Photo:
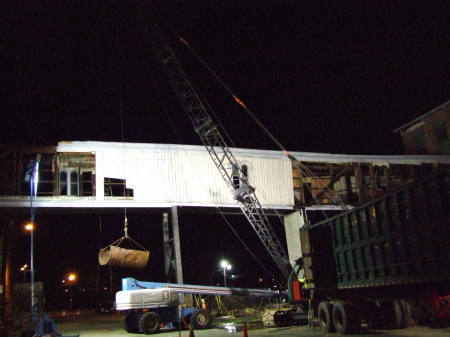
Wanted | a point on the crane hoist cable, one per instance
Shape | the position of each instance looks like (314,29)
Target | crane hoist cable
(114,255)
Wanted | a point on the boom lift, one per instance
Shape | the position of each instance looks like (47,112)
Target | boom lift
(153,305)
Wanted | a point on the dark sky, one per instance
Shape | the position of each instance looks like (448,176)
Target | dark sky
(322,76)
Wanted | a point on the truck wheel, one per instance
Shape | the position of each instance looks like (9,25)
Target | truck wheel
(325,315)
(130,323)
(283,318)
(406,314)
(201,319)
(372,315)
(344,318)
(149,323)
(392,314)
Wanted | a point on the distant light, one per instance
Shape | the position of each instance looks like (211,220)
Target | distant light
(72,277)
(224,264)
(29,227)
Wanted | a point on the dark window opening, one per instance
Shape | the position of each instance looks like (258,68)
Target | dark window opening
(44,175)
(440,132)
(235,177)
(63,183)
(117,188)
(244,169)
(74,183)
(419,142)
(86,183)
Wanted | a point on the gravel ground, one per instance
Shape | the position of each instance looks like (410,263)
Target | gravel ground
(92,325)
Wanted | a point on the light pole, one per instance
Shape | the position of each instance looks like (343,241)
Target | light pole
(31,176)
(71,279)
(224,264)
(30,227)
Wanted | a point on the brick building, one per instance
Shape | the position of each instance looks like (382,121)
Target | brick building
(428,134)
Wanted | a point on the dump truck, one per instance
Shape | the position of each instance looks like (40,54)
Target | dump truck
(380,262)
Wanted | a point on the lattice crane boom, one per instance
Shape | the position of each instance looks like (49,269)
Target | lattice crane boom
(217,148)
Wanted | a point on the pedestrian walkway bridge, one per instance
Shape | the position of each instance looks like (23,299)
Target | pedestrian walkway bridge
(92,175)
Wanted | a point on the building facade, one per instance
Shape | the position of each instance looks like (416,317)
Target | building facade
(429,133)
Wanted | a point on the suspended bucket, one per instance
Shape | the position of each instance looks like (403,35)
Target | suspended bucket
(122,257)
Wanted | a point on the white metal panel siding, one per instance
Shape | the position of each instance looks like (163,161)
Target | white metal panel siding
(165,177)
(272,179)
(192,177)
(293,222)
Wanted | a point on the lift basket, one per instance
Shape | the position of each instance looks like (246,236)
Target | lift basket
(121,257)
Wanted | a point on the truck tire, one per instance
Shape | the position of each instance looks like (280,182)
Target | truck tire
(149,323)
(130,323)
(201,319)
(283,318)
(373,315)
(406,314)
(392,314)
(325,315)
(345,318)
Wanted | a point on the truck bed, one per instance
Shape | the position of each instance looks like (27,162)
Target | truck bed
(401,238)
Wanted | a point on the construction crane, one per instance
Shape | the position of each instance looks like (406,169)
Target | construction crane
(233,175)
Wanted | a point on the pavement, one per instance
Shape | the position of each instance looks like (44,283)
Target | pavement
(92,325)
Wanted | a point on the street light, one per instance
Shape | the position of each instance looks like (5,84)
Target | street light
(71,279)
(224,264)
(24,269)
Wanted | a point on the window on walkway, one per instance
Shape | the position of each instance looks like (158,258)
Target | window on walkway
(68,182)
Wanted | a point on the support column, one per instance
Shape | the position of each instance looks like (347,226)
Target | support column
(359,182)
(169,272)
(177,246)
(387,177)
(172,251)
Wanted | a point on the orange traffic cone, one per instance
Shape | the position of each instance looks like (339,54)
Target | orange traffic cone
(191,331)
(245,330)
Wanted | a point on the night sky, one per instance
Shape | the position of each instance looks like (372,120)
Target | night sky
(322,76)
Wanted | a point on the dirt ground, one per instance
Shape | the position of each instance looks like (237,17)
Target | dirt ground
(90,324)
